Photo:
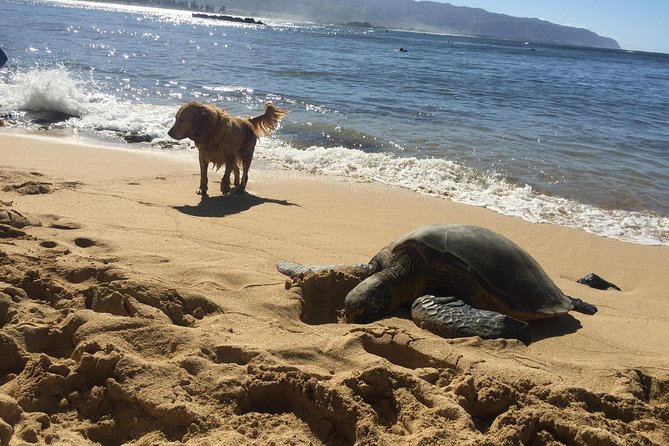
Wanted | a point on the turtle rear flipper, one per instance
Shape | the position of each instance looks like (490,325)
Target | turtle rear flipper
(583,307)
(452,318)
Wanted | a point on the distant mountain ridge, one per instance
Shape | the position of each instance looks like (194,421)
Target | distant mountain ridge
(422,16)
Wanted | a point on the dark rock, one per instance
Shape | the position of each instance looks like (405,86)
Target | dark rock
(228,18)
(134,138)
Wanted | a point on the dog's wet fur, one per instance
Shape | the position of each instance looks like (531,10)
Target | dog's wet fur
(223,139)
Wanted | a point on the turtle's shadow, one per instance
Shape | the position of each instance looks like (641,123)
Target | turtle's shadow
(554,327)
(224,205)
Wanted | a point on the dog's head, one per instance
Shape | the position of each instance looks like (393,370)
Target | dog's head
(193,120)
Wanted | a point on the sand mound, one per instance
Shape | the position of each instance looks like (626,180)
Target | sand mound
(92,354)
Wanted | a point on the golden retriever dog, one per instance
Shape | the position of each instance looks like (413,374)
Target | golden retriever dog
(223,139)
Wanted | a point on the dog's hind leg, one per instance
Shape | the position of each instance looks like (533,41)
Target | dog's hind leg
(235,173)
(246,157)
(230,167)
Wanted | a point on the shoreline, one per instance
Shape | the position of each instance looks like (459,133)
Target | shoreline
(269,161)
(206,335)
(417,175)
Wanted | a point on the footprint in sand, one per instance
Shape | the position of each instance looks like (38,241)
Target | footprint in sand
(322,411)
(84,242)
(48,244)
(395,346)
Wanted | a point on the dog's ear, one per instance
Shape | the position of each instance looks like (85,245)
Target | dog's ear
(205,120)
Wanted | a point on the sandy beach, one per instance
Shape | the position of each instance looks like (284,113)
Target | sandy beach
(133,313)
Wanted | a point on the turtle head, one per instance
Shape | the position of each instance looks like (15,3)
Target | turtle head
(368,301)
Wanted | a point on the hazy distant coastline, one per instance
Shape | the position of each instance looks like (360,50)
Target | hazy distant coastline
(422,16)
(409,15)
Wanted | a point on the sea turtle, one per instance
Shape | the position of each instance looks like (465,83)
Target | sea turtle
(463,281)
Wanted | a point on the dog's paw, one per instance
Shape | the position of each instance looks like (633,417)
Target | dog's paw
(201,192)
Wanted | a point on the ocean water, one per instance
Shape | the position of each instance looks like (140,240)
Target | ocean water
(572,136)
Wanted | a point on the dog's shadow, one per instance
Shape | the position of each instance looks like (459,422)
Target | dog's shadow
(224,205)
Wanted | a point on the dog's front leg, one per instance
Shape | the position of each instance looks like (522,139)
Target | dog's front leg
(203,177)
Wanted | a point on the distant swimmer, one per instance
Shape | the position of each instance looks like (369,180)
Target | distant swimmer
(402,50)
(3,58)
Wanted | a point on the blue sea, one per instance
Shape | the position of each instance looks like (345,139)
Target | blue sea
(572,136)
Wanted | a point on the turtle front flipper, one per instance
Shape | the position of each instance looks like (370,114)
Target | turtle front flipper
(452,318)
(291,269)
(295,270)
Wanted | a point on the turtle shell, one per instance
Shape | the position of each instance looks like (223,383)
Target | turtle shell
(482,268)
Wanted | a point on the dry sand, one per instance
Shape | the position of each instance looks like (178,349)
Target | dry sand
(132,314)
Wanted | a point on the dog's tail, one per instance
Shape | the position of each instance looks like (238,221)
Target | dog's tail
(268,121)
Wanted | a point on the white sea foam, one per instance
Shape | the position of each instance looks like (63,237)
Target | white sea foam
(45,90)
(55,90)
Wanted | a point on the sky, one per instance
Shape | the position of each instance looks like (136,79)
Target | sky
(635,24)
